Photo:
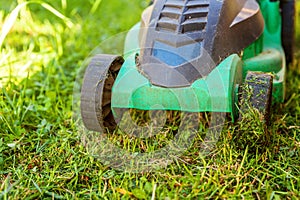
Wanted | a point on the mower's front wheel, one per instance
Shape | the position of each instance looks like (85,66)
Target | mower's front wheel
(256,95)
(96,92)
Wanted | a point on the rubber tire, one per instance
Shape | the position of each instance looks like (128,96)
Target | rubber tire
(96,92)
(288,28)
(256,92)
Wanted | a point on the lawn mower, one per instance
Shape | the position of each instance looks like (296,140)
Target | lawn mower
(194,56)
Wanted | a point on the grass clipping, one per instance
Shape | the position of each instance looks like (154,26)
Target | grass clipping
(252,130)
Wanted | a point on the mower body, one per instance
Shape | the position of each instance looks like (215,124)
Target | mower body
(198,62)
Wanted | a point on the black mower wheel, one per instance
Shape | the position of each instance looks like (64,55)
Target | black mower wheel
(256,93)
(96,91)
(288,28)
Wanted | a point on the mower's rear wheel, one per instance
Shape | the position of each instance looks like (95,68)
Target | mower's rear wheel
(256,94)
(96,92)
(288,28)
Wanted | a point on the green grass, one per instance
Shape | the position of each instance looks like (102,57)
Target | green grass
(41,154)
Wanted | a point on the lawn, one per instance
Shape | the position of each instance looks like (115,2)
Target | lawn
(42,155)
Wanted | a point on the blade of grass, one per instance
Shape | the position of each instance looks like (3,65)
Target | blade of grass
(95,6)
(11,19)
(68,22)
(8,187)
(238,175)
(64,4)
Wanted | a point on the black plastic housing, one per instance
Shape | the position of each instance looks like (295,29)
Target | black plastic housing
(185,40)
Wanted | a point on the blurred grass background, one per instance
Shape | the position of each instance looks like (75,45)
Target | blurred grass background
(40,151)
